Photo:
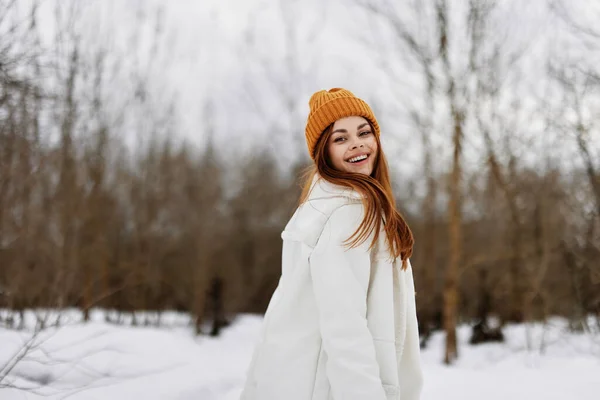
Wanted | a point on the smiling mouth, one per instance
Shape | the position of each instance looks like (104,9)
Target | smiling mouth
(358,159)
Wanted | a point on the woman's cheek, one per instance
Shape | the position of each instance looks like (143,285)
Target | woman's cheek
(339,158)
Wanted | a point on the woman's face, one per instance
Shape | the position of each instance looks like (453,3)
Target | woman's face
(352,146)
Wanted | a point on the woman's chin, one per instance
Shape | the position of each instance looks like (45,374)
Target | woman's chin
(363,170)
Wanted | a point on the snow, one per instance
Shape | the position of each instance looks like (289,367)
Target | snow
(100,360)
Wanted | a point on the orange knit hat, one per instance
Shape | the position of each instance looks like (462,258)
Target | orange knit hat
(327,106)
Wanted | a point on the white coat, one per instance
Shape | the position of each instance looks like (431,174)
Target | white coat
(342,323)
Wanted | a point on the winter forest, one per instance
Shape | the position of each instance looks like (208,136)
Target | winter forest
(150,156)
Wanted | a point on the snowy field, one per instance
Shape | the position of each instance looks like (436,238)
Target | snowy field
(98,360)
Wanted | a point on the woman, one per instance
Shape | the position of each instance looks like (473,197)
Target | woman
(342,323)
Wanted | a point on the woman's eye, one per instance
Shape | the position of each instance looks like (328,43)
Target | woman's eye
(364,133)
(338,139)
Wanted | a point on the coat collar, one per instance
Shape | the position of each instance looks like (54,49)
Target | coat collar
(320,188)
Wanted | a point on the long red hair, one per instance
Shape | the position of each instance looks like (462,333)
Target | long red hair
(378,199)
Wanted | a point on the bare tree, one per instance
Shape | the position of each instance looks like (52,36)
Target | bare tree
(432,55)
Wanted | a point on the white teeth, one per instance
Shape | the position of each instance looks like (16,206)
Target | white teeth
(358,158)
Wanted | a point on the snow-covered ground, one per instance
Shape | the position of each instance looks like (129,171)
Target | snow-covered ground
(98,360)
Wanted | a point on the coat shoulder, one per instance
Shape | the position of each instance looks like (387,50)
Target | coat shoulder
(308,222)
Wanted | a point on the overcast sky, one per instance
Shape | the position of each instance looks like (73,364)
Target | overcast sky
(234,55)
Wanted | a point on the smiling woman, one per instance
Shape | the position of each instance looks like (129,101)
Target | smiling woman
(342,322)
(352,146)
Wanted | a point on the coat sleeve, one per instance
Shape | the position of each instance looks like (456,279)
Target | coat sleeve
(409,366)
(249,385)
(336,271)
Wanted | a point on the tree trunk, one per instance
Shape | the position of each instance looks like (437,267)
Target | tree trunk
(218,309)
(455,236)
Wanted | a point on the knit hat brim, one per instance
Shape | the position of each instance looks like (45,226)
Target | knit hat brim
(333,110)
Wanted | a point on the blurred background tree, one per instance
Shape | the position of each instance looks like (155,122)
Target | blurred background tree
(148,165)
